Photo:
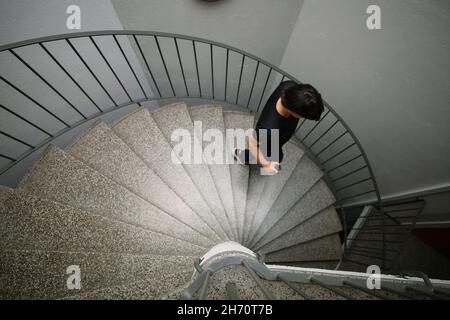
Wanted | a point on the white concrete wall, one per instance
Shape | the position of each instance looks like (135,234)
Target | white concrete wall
(390,85)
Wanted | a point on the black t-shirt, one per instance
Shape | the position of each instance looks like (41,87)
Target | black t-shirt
(271,119)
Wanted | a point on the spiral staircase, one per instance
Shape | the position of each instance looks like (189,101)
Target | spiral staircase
(139,226)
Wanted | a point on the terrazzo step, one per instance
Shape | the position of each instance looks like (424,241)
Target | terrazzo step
(324,223)
(60,177)
(140,132)
(147,289)
(326,248)
(304,176)
(5,193)
(239,174)
(246,286)
(42,274)
(256,184)
(33,223)
(281,290)
(174,117)
(316,199)
(101,149)
(211,118)
(274,185)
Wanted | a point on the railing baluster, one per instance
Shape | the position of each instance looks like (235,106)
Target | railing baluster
(264,89)
(69,75)
(357,195)
(16,139)
(226,76)
(266,292)
(7,157)
(47,83)
(354,183)
(315,126)
(22,118)
(204,288)
(253,85)
(331,143)
(291,285)
(336,291)
(181,66)
(323,134)
(35,102)
(196,67)
(232,292)
(90,70)
(240,78)
(212,70)
(340,152)
(110,67)
(348,174)
(129,65)
(343,164)
(164,65)
(146,64)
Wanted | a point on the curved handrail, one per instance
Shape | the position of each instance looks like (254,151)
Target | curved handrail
(319,131)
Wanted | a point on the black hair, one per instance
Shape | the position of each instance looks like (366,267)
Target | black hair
(304,100)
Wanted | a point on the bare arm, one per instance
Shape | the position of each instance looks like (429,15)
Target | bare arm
(256,151)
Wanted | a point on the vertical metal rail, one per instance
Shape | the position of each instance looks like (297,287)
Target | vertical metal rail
(232,292)
(164,65)
(146,64)
(266,292)
(129,65)
(110,68)
(91,72)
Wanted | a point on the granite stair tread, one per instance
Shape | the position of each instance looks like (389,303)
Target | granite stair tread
(60,177)
(41,274)
(302,178)
(147,289)
(211,118)
(175,116)
(326,248)
(5,193)
(316,199)
(141,133)
(321,224)
(41,224)
(274,185)
(239,173)
(104,151)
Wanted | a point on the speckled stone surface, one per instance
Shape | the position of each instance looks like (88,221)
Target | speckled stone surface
(142,135)
(326,248)
(274,185)
(304,176)
(173,117)
(60,177)
(148,289)
(256,184)
(211,118)
(281,290)
(42,274)
(239,173)
(38,224)
(101,149)
(321,224)
(247,287)
(318,293)
(5,193)
(316,199)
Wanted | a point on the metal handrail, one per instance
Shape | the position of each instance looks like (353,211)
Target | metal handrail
(340,159)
